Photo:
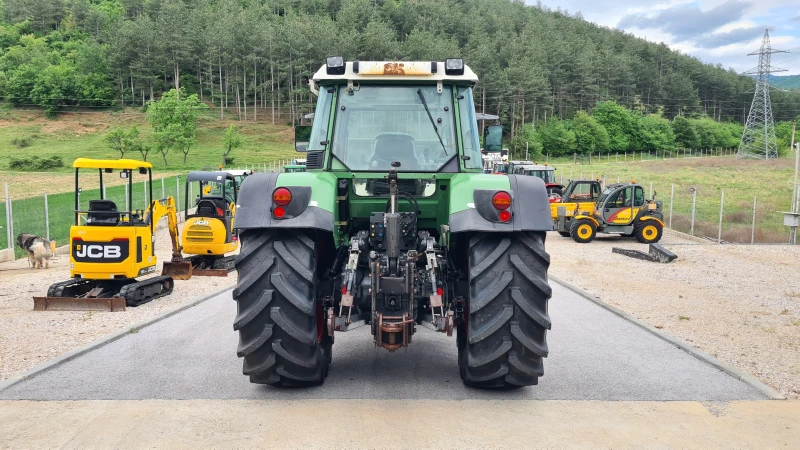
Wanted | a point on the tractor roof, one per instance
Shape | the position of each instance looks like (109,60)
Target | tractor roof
(122,164)
(216,177)
(239,172)
(396,71)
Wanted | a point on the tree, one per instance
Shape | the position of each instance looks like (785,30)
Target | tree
(654,134)
(685,135)
(527,138)
(233,140)
(174,122)
(590,136)
(133,143)
(116,140)
(620,124)
(556,139)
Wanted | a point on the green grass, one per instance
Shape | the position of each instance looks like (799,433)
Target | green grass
(741,180)
(80,134)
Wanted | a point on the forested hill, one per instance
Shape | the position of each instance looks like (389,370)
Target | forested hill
(533,62)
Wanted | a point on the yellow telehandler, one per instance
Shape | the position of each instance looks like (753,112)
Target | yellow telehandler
(110,247)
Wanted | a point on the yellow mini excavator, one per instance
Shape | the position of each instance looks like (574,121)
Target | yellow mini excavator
(111,246)
(208,231)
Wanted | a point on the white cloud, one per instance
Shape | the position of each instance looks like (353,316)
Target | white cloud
(716,31)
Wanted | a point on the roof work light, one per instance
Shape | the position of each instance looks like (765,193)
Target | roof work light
(454,66)
(335,65)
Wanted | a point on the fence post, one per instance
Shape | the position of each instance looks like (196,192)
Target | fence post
(618,179)
(651,189)
(163,195)
(721,207)
(8,220)
(671,201)
(753,229)
(570,175)
(178,196)
(694,205)
(46,218)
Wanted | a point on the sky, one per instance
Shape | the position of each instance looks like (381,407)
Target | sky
(716,31)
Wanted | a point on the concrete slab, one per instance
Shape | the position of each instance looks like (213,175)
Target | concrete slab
(595,355)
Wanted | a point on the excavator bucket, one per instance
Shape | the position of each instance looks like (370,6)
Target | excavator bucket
(178,270)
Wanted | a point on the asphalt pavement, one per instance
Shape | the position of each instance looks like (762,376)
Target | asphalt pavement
(594,355)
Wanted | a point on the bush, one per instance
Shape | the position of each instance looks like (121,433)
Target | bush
(34,163)
(21,142)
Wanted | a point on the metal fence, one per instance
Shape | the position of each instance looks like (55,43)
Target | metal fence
(726,216)
(34,208)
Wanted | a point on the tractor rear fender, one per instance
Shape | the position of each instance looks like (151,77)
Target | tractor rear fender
(313,195)
(471,204)
(579,217)
(642,219)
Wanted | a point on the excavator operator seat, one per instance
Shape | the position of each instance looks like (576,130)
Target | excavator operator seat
(102,213)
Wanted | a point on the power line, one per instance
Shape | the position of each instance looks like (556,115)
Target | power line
(758,139)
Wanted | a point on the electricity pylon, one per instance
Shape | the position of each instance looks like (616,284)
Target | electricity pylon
(758,139)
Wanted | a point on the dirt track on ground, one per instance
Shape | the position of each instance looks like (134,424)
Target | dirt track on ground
(29,338)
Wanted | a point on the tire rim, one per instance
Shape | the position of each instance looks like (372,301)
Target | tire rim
(584,231)
(650,232)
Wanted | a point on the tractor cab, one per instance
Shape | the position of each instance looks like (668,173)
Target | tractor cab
(581,191)
(239,175)
(294,168)
(546,173)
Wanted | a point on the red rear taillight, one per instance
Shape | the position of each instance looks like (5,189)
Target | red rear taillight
(505,215)
(282,196)
(279,212)
(501,200)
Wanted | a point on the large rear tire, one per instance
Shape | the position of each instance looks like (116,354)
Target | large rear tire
(280,337)
(504,340)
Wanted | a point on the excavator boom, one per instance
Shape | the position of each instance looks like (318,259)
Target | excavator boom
(177,268)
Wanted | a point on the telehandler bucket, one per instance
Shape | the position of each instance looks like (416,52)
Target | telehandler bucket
(179,270)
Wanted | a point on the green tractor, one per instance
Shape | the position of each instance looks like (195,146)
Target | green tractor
(393,226)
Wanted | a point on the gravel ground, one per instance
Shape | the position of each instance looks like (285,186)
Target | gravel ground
(736,302)
(28,338)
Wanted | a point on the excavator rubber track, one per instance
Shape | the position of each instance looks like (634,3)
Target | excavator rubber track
(211,266)
(79,294)
(141,292)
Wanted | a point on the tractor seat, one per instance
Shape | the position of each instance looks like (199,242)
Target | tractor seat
(102,213)
(389,147)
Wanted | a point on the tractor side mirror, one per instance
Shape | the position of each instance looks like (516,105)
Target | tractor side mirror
(493,138)
(302,137)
